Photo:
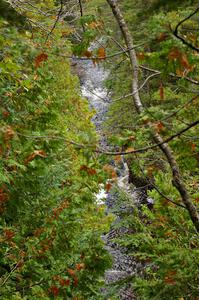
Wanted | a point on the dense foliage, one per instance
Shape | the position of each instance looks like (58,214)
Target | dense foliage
(50,224)
(164,238)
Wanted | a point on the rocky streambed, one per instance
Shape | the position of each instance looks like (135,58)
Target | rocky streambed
(92,79)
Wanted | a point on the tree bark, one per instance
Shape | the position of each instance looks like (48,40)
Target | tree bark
(177,179)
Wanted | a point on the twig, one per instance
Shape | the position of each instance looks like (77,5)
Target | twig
(141,87)
(56,21)
(168,199)
(180,108)
(175,32)
(13,269)
(170,74)
(81,12)
(150,183)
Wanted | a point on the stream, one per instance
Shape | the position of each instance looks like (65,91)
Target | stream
(92,79)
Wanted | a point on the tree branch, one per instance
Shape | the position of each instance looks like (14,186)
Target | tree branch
(93,147)
(177,180)
(56,21)
(175,32)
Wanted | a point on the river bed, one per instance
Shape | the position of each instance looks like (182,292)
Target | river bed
(92,78)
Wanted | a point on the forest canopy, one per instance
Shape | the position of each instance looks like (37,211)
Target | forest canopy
(53,163)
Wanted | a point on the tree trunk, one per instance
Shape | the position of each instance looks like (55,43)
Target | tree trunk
(177,179)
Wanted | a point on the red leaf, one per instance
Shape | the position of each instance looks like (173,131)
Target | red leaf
(75,281)
(108,186)
(90,171)
(71,272)
(159,126)
(67,282)
(6,114)
(9,234)
(161,90)
(40,58)
(54,290)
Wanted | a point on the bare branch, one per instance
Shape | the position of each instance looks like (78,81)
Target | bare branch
(176,34)
(56,21)
(93,147)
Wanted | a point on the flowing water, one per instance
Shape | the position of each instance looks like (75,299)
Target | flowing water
(92,79)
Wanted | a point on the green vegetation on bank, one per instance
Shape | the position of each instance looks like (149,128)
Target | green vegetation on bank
(164,238)
(50,225)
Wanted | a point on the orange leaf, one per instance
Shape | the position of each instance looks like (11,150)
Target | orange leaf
(180,72)
(131,138)
(169,281)
(169,278)
(40,58)
(162,37)
(80,266)
(101,53)
(9,133)
(118,158)
(184,61)
(197,200)
(87,53)
(40,153)
(193,147)
(91,171)
(95,25)
(141,55)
